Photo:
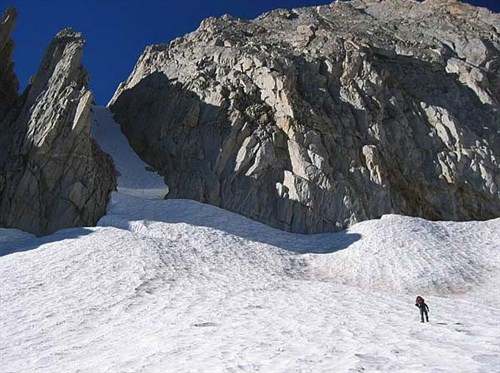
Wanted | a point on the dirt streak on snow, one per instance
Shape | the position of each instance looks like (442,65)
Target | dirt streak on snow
(178,286)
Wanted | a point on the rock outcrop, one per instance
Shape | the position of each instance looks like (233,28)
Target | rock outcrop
(312,119)
(52,173)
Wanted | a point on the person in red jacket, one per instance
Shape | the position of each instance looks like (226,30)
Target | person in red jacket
(424,308)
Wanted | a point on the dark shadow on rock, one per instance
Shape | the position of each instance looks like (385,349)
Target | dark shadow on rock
(194,145)
(410,162)
(14,241)
(419,81)
(431,84)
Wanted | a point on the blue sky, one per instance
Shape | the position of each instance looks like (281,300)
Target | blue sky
(117,31)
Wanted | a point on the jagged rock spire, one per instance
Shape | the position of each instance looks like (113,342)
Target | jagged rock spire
(54,175)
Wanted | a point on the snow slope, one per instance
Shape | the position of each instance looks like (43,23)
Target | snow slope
(178,286)
(133,179)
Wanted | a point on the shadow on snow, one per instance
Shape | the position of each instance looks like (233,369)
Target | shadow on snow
(127,209)
(14,241)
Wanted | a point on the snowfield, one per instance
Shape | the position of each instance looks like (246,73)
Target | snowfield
(179,286)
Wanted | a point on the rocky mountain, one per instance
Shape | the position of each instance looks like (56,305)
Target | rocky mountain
(312,119)
(52,173)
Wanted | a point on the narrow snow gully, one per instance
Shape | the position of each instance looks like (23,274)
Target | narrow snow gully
(134,177)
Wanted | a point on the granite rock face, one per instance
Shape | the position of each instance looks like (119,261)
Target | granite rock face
(52,173)
(313,119)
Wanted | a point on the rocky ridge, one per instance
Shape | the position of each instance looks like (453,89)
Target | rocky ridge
(315,118)
(52,173)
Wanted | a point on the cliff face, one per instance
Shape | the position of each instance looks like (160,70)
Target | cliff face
(52,173)
(312,119)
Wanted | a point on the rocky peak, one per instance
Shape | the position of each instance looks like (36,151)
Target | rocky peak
(61,59)
(53,174)
(314,118)
(60,78)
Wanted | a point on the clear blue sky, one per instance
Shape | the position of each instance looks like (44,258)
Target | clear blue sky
(117,31)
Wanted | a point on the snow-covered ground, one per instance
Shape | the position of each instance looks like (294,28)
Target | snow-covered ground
(178,286)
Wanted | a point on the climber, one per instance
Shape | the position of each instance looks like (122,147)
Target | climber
(424,308)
